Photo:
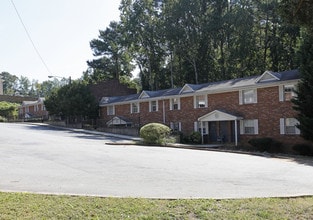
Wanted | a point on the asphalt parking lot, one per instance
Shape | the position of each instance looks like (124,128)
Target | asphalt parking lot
(42,159)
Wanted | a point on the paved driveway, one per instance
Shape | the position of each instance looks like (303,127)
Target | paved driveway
(45,160)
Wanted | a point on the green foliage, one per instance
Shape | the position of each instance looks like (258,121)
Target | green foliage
(195,137)
(154,133)
(8,110)
(113,59)
(303,149)
(298,12)
(266,144)
(304,100)
(74,100)
(10,83)
(3,119)
(181,41)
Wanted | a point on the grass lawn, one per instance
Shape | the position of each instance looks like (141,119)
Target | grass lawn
(34,206)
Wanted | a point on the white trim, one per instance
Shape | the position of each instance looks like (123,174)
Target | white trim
(282,125)
(267,76)
(172,103)
(150,105)
(195,126)
(131,107)
(143,95)
(240,97)
(195,104)
(217,115)
(281,92)
(256,126)
(186,89)
(113,109)
(242,127)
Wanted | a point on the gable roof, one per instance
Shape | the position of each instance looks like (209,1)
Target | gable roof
(218,115)
(267,77)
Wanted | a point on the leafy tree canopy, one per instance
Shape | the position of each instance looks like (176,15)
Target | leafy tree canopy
(72,100)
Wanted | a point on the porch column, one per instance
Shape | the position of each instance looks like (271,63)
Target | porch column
(202,139)
(236,134)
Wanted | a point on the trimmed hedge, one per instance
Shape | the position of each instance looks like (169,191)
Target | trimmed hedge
(266,144)
(303,149)
(155,133)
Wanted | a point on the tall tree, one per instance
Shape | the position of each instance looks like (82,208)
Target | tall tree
(304,101)
(72,101)
(10,83)
(142,24)
(300,12)
(114,59)
(24,85)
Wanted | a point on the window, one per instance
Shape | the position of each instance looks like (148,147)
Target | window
(111,110)
(249,126)
(174,104)
(153,106)
(36,108)
(200,101)
(248,96)
(286,92)
(205,127)
(175,126)
(134,107)
(289,126)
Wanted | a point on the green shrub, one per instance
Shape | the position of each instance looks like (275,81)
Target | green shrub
(195,137)
(303,149)
(3,119)
(154,133)
(266,144)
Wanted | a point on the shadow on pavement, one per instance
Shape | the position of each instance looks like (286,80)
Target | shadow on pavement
(77,134)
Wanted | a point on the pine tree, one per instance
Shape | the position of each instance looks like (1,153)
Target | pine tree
(304,101)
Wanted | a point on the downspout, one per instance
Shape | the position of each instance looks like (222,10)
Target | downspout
(236,133)
(163,111)
(202,139)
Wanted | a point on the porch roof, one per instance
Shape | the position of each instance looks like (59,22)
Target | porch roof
(218,115)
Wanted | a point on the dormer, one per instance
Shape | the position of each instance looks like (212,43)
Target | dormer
(186,89)
(104,100)
(143,95)
(268,76)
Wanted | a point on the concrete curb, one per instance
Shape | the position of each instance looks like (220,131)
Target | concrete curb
(214,148)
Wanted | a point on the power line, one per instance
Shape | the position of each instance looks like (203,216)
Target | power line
(29,37)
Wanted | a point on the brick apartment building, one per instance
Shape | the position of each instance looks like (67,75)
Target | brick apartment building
(233,110)
(33,110)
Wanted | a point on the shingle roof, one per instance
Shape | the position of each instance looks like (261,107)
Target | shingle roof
(206,87)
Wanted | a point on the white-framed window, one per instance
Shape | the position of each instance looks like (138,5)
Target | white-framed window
(286,92)
(153,106)
(36,108)
(134,107)
(248,96)
(289,126)
(175,104)
(200,101)
(205,127)
(27,109)
(249,126)
(175,126)
(111,110)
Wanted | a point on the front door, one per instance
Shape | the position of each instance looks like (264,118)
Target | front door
(213,131)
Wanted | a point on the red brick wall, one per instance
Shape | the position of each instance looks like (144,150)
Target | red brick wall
(268,110)
(110,88)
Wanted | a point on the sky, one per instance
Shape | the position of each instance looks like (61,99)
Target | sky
(60,30)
